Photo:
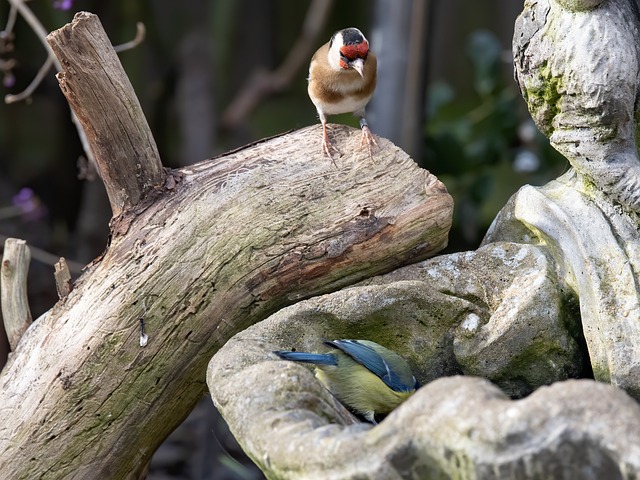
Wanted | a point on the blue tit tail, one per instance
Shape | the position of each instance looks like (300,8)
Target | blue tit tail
(304,357)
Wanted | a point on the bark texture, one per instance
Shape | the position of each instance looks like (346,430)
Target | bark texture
(13,284)
(220,246)
(99,91)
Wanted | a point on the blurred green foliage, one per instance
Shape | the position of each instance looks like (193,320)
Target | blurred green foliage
(484,146)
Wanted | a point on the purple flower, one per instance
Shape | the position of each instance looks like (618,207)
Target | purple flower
(9,80)
(63,4)
(29,204)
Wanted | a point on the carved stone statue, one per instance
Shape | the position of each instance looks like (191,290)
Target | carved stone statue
(578,67)
(577,64)
(552,294)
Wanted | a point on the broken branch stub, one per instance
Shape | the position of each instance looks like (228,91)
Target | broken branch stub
(99,92)
(15,304)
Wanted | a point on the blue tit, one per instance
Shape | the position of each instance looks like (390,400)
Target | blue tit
(366,377)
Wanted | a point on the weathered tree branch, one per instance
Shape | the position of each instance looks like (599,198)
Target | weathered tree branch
(235,241)
(121,141)
(13,278)
(221,246)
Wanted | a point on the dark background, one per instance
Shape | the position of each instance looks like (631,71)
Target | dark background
(445,94)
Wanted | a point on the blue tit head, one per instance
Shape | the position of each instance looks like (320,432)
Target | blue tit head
(368,378)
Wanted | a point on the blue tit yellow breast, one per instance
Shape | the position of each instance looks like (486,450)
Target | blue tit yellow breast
(360,389)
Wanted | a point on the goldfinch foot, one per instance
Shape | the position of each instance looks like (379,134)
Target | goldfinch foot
(368,140)
(327,147)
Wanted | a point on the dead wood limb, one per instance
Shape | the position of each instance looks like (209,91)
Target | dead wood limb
(236,240)
(61,273)
(13,284)
(92,77)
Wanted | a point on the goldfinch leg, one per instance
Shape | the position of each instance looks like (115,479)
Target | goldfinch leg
(327,147)
(367,137)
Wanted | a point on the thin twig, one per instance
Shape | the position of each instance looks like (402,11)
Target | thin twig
(51,59)
(41,33)
(141,32)
(263,83)
(11,20)
(37,28)
(35,83)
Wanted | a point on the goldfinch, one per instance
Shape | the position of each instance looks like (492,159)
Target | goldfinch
(368,378)
(342,78)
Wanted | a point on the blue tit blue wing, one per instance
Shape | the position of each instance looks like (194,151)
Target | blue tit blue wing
(393,371)
(304,357)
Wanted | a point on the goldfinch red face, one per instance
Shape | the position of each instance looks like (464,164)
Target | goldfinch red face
(348,48)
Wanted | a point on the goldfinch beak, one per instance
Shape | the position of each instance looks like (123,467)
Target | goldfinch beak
(358,66)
